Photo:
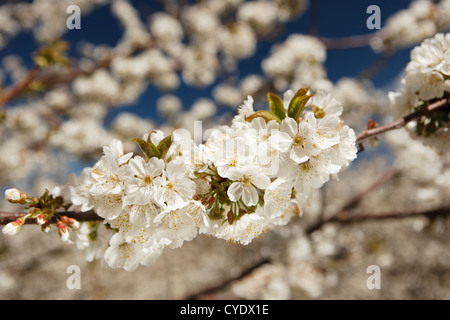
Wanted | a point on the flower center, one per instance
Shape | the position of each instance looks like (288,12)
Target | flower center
(318,112)
(298,140)
(245,180)
(148,180)
(170,186)
(306,166)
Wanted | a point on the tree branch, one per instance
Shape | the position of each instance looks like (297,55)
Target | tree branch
(345,218)
(396,124)
(347,42)
(70,75)
(355,200)
(6,217)
(314,14)
(16,89)
(225,283)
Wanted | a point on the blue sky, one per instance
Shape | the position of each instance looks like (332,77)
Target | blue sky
(336,19)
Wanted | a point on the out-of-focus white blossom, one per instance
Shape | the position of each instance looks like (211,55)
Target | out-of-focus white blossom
(136,32)
(200,22)
(297,62)
(422,19)
(101,85)
(260,15)
(169,105)
(423,83)
(267,282)
(237,40)
(225,94)
(165,28)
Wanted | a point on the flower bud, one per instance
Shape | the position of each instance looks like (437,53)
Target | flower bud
(41,220)
(45,227)
(63,231)
(70,222)
(14,195)
(13,227)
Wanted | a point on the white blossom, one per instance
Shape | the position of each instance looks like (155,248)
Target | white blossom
(122,254)
(176,188)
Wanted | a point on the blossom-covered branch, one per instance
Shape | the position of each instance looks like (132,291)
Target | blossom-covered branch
(247,178)
(7,217)
(440,105)
(156,187)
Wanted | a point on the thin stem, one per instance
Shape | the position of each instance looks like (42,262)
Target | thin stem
(347,219)
(314,9)
(399,123)
(6,217)
(355,200)
(225,283)
(347,42)
(70,75)
(19,87)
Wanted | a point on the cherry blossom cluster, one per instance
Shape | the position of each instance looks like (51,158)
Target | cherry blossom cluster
(421,20)
(426,80)
(246,179)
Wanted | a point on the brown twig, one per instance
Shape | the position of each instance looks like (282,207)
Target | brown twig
(347,219)
(375,67)
(225,283)
(59,77)
(347,42)
(314,14)
(6,217)
(16,89)
(355,200)
(399,123)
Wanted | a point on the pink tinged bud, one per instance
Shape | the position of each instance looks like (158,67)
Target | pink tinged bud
(63,231)
(14,195)
(70,222)
(45,227)
(41,220)
(13,227)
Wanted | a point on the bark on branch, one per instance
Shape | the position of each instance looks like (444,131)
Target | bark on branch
(19,87)
(350,42)
(355,200)
(225,283)
(6,217)
(399,123)
(346,218)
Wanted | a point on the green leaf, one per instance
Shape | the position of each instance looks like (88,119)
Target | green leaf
(298,103)
(266,115)
(149,149)
(276,105)
(164,146)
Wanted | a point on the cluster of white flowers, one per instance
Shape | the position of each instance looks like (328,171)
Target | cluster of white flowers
(421,20)
(430,184)
(247,178)
(297,62)
(427,79)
